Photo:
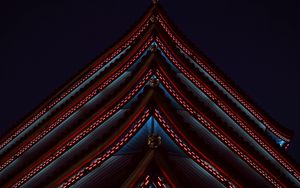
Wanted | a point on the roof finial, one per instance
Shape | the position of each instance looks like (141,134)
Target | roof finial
(154,2)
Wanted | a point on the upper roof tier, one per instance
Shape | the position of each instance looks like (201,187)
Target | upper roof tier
(156,14)
(191,81)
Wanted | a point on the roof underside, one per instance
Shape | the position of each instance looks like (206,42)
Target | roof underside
(151,111)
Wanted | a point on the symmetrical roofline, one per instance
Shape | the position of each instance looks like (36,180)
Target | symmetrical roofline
(100,62)
(122,44)
(163,122)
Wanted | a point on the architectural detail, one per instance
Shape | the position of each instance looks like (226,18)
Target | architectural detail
(154,141)
(154,82)
(150,112)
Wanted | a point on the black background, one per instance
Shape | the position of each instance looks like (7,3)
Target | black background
(255,42)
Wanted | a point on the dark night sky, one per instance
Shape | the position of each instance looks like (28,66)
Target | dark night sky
(255,42)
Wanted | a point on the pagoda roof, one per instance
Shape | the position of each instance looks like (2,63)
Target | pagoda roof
(152,72)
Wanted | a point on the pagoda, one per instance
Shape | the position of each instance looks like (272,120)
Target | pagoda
(152,111)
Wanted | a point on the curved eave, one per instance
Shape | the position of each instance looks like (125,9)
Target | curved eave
(262,139)
(274,126)
(138,112)
(106,79)
(69,85)
(143,27)
(140,168)
(33,139)
(89,162)
(192,151)
(210,124)
(103,113)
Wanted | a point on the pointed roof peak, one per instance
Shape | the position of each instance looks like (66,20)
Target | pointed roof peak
(154,2)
